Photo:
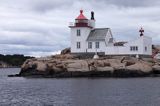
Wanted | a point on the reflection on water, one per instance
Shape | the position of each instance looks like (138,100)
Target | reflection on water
(77,92)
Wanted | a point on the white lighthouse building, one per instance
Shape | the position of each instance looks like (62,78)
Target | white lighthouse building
(85,38)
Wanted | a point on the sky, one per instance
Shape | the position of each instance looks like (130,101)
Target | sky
(40,27)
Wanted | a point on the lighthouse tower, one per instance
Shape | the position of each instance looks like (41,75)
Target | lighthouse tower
(80,30)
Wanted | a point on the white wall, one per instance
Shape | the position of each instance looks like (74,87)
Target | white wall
(116,50)
(82,38)
(92,23)
(147,41)
(102,44)
(141,42)
(101,48)
(109,49)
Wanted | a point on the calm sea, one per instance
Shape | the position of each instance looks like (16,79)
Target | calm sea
(77,91)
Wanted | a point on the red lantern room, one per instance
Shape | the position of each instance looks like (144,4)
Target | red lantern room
(81,20)
(81,16)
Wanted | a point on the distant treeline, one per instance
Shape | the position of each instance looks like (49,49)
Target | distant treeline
(14,60)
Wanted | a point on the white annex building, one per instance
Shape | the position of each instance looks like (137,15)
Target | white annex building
(85,38)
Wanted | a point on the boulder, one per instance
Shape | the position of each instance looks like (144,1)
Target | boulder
(64,56)
(29,64)
(156,67)
(57,70)
(128,63)
(41,66)
(116,64)
(101,63)
(109,69)
(106,63)
(79,65)
(140,66)
(129,60)
(66,51)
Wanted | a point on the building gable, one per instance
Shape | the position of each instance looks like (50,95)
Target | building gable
(109,38)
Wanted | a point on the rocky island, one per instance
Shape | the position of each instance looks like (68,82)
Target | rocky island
(86,39)
(70,65)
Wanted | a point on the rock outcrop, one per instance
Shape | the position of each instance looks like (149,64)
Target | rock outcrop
(68,65)
(66,51)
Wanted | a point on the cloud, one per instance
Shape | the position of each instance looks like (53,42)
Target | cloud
(131,3)
(40,27)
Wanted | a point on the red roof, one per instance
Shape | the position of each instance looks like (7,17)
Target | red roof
(81,16)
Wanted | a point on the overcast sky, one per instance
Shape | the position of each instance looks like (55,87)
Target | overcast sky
(40,27)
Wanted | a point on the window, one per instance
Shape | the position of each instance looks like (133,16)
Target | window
(97,45)
(90,45)
(78,45)
(78,32)
(145,48)
(131,48)
(134,48)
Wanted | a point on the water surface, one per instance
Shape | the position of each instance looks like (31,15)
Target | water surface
(20,91)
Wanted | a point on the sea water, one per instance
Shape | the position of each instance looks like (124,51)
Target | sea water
(19,91)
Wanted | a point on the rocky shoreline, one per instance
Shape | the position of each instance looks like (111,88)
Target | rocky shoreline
(69,65)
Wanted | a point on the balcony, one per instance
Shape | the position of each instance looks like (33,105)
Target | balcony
(79,24)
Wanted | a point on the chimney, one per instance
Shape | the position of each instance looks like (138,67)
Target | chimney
(92,15)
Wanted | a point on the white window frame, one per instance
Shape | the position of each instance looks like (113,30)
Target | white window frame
(133,48)
(78,45)
(97,45)
(78,32)
(89,45)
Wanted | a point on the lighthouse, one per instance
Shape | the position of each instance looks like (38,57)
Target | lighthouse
(80,30)
(87,39)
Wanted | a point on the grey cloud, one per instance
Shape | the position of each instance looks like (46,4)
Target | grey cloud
(43,5)
(36,5)
(40,27)
(129,3)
